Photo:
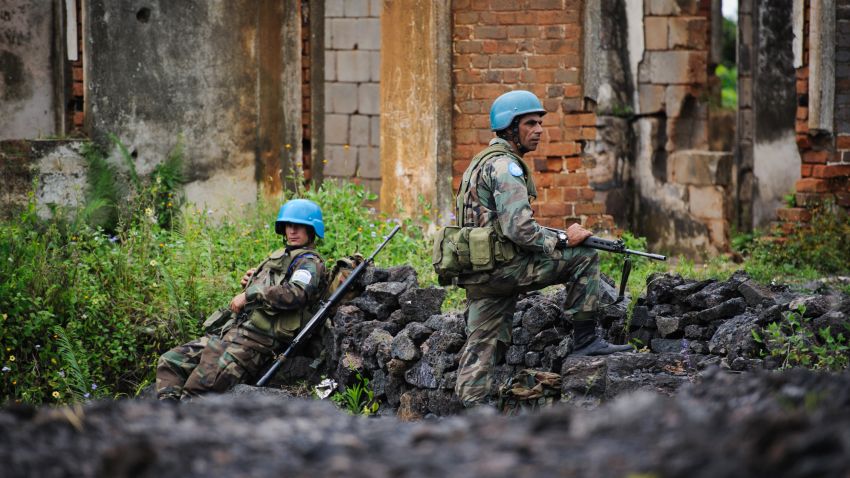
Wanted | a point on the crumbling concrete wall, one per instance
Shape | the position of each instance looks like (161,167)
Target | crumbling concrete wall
(416,107)
(27,79)
(767,161)
(56,167)
(352,130)
(210,75)
(653,92)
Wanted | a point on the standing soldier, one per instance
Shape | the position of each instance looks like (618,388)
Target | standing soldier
(495,192)
(274,304)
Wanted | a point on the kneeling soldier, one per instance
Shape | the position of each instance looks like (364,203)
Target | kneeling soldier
(277,300)
(495,194)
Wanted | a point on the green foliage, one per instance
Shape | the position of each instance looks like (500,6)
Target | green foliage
(818,248)
(729,46)
(358,399)
(124,297)
(796,344)
(729,86)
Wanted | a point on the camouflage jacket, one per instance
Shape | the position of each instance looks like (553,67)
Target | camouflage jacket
(497,189)
(283,291)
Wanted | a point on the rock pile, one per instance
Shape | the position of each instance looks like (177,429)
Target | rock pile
(395,333)
(795,424)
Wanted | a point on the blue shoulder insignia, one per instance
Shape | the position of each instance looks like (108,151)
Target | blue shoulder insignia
(514,169)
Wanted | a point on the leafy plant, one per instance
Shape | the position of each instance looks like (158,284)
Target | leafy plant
(796,344)
(358,399)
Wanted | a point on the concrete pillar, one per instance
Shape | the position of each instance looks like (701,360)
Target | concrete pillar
(416,105)
(821,65)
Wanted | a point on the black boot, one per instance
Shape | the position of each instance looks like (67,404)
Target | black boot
(586,342)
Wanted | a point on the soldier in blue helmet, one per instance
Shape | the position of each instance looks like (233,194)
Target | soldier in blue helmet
(277,299)
(496,193)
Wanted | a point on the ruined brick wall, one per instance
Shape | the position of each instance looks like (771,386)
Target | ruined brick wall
(503,45)
(352,99)
(684,200)
(825,167)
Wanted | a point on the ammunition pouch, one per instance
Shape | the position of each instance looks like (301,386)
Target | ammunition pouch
(219,321)
(465,250)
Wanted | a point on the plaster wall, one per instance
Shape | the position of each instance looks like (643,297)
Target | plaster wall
(208,75)
(26,77)
(415,106)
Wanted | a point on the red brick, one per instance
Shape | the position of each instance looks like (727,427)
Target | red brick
(77,72)
(79,118)
(550,47)
(543,181)
(812,199)
(588,133)
(506,61)
(546,4)
(803,142)
(465,18)
(574,163)
(515,18)
(571,180)
(554,164)
(571,194)
(812,185)
(545,61)
(803,72)
(831,171)
(806,170)
(488,92)
(523,31)
(572,91)
(801,127)
(77,89)
(590,208)
(561,149)
(842,142)
(802,87)
(556,209)
(794,214)
(802,113)
(817,157)
(470,46)
(587,194)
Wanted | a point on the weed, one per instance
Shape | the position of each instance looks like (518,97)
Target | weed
(358,399)
(796,344)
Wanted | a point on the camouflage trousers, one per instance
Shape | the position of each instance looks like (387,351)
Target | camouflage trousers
(491,307)
(212,363)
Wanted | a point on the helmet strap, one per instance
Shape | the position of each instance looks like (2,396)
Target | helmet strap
(511,133)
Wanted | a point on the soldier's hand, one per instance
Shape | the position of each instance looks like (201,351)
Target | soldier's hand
(238,303)
(576,235)
(247,276)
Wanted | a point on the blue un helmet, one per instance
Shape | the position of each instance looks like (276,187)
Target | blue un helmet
(513,104)
(300,211)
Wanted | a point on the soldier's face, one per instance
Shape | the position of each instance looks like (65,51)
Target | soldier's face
(296,234)
(530,130)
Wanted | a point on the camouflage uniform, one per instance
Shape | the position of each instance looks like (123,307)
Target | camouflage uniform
(499,193)
(280,296)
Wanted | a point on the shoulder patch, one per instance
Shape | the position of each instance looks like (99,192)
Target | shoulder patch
(514,169)
(302,276)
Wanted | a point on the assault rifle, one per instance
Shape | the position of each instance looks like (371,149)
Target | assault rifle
(619,247)
(319,317)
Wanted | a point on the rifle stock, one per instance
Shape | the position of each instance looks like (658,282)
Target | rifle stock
(321,315)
